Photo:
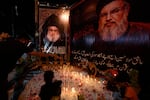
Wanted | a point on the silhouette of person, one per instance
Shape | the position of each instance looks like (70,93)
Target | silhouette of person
(126,89)
(11,50)
(51,89)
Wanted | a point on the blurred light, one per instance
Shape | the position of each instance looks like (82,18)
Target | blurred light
(115,75)
(64,16)
(89,39)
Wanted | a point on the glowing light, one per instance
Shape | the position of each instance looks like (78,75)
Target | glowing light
(65,16)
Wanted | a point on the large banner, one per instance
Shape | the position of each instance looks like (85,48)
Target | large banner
(109,34)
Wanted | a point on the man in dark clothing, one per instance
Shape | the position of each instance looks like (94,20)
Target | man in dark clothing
(50,89)
(11,50)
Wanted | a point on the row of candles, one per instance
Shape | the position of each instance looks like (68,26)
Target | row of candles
(77,82)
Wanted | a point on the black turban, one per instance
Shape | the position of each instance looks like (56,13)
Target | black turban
(102,3)
(52,20)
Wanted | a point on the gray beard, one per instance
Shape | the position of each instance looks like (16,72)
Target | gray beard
(110,34)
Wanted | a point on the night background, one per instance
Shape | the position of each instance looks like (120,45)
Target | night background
(21,19)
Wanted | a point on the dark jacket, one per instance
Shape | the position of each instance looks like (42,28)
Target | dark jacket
(49,90)
(10,51)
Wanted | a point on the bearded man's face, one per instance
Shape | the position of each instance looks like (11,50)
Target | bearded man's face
(113,21)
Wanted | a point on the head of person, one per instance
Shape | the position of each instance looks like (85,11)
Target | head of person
(25,40)
(112,18)
(122,78)
(52,28)
(48,76)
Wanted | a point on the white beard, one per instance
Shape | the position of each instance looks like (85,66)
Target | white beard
(113,33)
(53,38)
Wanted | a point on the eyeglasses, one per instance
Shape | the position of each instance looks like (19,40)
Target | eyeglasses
(113,11)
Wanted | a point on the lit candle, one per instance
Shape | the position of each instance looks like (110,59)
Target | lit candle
(73,90)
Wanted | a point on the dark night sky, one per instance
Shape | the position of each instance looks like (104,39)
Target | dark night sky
(140,10)
(23,22)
